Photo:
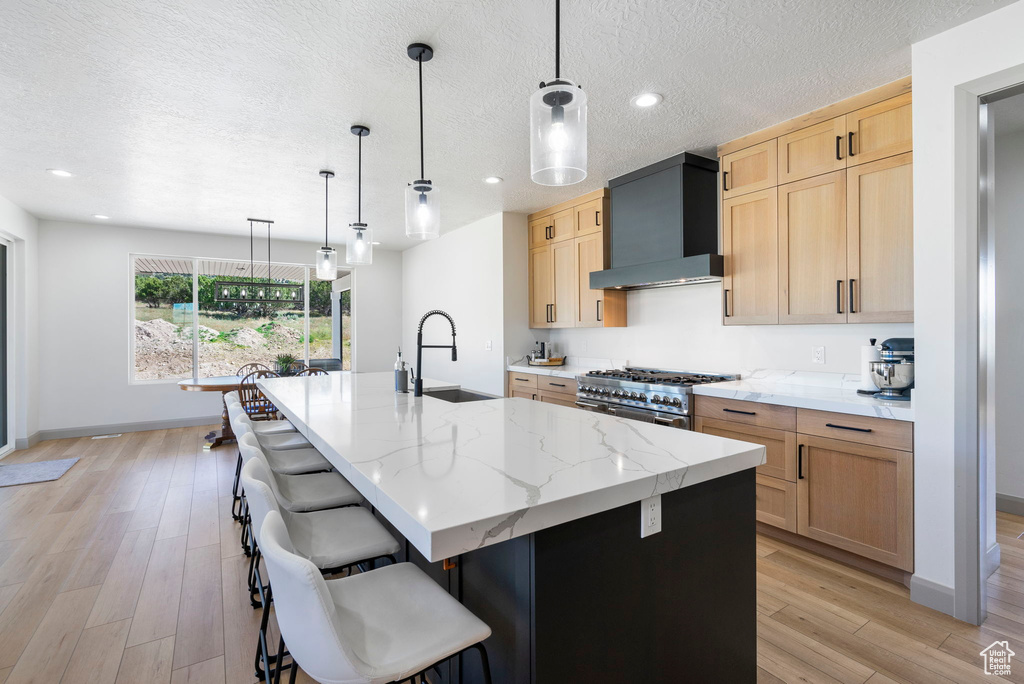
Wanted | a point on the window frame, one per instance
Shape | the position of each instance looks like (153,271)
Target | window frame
(133,256)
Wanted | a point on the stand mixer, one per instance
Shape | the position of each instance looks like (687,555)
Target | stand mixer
(894,373)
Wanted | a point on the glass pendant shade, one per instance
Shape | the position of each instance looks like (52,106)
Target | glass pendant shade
(422,210)
(327,263)
(359,245)
(558,134)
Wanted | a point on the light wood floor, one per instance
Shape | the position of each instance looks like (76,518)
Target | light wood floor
(128,569)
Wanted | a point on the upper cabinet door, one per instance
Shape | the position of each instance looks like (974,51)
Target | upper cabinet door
(880,238)
(750,243)
(562,226)
(813,151)
(881,130)
(541,288)
(812,250)
(563,284)
(589,257)
(540,231)
(749,170)
(590,218)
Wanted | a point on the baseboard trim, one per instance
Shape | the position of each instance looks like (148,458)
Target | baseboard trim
(932,595)
(1010,504)
(27,442)
(91,431)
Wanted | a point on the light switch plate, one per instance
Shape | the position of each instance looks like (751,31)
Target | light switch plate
(487,345)
(650,516)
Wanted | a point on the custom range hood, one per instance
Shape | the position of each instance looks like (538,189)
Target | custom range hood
(664,226)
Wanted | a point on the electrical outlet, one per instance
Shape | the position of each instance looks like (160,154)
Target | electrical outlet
(487,345)
(817,354)
(583,347)
(650,516)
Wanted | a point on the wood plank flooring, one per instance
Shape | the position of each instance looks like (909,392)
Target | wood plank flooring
(128,570)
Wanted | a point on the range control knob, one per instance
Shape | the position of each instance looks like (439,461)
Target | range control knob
(643,397)
(677,402)
(634,396)
(656,399)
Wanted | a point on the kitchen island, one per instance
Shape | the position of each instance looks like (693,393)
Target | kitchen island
(531,513)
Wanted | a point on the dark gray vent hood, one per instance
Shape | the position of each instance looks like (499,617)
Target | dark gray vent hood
(663,228)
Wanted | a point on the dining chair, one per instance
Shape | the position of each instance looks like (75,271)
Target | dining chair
(311,371)
(390,625)
(250,368)
(334,540)
(253,400)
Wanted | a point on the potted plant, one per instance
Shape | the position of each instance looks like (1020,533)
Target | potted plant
(284,363)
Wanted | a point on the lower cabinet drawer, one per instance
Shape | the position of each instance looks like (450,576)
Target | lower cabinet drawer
(776,502)
(522,380)
(558,398)
(548,383)
(882,432)
(524,393)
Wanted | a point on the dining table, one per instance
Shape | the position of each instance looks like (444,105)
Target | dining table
(222,384)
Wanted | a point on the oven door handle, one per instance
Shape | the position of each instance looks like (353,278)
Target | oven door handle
(587,404)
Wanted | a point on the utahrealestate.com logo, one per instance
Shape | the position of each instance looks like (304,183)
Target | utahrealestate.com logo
(997,658)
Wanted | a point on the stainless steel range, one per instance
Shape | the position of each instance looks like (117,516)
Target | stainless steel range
(647,394)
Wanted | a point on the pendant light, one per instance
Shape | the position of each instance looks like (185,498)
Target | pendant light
(359,244)
(326,256)
(558,126)
(253,291)
(422,202)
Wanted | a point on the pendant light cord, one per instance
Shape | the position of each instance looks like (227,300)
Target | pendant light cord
(420,61)
(252,267)
(558,40)
(327,180)
(268,253)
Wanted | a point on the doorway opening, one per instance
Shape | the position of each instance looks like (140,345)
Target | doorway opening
(6,439)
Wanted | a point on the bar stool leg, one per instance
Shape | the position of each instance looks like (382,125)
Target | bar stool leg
(236,501)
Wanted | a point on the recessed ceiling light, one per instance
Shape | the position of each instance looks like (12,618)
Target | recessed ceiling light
(492,179)
(644,100)
(102,217)
(60,172)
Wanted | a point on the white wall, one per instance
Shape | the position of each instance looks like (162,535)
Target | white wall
(460,273)
(680,328)
(21,228)
(519,338)
(1009,245)
(85,329)
(941,64)
(377,312)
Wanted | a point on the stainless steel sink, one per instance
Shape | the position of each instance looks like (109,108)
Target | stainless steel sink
(458,395)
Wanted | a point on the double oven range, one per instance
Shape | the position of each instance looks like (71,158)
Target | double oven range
(646,394)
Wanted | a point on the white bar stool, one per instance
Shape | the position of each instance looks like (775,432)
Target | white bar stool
(389,625)
(333,540)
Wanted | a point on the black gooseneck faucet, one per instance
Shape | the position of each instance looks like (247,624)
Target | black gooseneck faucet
(418,383)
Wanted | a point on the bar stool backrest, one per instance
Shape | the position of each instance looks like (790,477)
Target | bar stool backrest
(306,612)
(231,398)
(259,494)
(250,449)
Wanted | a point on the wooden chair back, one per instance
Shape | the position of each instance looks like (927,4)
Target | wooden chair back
(250,368)
(311,371)
(255,403)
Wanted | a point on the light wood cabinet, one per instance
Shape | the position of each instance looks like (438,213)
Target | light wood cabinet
(572,236)
(880,240)
(840,479)
(857,497)
(812,250)
(881,130)
(750,245)
(749,170)
(813,151)
(549,389)
(843,227)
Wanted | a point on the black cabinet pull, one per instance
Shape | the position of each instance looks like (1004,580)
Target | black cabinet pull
(597,217)
(746,413)
(520,379)
(839,154)
(555,384)
(846,427)
(725,302)
(800,462)
(552,313)
(599,310)
(725,181)
(839,296)
(849,145)
(852,308)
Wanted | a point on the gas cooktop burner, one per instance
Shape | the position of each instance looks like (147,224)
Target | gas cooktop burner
(656,377)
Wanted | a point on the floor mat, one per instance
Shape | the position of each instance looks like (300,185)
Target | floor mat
(27,473)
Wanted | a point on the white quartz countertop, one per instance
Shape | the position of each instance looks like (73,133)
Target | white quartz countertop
(841,399)
(565,371)
(455,477)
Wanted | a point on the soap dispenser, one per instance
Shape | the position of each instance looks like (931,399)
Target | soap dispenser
(401,374)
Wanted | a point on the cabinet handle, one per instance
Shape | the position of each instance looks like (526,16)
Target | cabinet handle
(520,379)
(725,181)
(851,307)
(548,309)
(599,310)
(746,413)
(547,233)
(555,384)
(725,302)
(597,217)
(839,296)
(845,427)
(849,145)
(800,462)
(839,141)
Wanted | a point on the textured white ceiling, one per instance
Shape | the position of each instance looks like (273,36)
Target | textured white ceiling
(196,115)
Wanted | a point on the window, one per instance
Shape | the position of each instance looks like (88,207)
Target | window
(230,334)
